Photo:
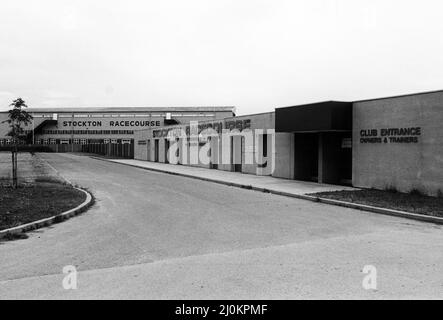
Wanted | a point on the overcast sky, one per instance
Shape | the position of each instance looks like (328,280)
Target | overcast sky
(252,54)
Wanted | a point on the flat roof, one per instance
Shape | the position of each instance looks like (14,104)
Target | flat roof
(401,96)
(364,100)
(313,104)
(133,109)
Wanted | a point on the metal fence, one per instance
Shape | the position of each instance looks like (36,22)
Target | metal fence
(125,151)
(39,148)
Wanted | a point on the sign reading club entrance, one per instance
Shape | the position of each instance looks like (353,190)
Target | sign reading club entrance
(392,135)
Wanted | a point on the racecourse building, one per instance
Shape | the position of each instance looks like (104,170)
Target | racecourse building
(389,143)
(82,126)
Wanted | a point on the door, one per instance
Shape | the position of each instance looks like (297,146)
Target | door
(156,150)
(236,153)
(306,157)
(166,151)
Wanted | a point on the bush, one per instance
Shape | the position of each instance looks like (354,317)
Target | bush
(391,189)
(416,192)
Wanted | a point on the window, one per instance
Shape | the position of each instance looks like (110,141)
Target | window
(106,141)
(52,141)
(83,141)
(126,141)
(113,140)
(76,141)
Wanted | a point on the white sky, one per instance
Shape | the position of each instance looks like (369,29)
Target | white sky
(253,54)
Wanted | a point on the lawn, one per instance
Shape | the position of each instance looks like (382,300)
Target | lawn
(36,201)
(409,202)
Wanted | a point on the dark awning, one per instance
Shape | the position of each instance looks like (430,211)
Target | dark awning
(316,117)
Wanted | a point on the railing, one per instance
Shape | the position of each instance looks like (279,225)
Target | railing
(125,151)
(31,148)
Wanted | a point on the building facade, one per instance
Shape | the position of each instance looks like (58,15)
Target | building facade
(390,143)
(398,143)
(82,126)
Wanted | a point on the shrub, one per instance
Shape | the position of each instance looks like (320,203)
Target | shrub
(391,189)
(416,192)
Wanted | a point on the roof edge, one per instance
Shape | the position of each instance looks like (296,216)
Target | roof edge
(401,96)
(314,103)
(132,109)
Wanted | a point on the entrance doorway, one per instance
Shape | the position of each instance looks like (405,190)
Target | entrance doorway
(166,151)
(306,157)
(323,157)
(156,150)
(236,153)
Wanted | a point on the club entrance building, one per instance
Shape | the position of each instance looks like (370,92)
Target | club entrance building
(389,143)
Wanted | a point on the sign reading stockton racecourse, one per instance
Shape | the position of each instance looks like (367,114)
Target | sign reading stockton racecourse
(391,135)
(122,123)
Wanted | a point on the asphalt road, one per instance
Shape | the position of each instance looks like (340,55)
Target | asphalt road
(156,236)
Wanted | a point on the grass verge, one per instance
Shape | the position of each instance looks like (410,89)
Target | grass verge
(35,202)
(409,202)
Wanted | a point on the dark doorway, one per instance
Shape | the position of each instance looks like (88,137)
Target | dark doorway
(336,158)
(166,150)
(345,160)
(156,150)
(324,157)
(236,153)
(306,157)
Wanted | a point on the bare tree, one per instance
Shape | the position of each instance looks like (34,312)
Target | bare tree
(17,118)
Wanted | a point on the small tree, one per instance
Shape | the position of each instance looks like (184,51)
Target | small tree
(17,118)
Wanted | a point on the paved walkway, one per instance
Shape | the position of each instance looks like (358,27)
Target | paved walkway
(275,185)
